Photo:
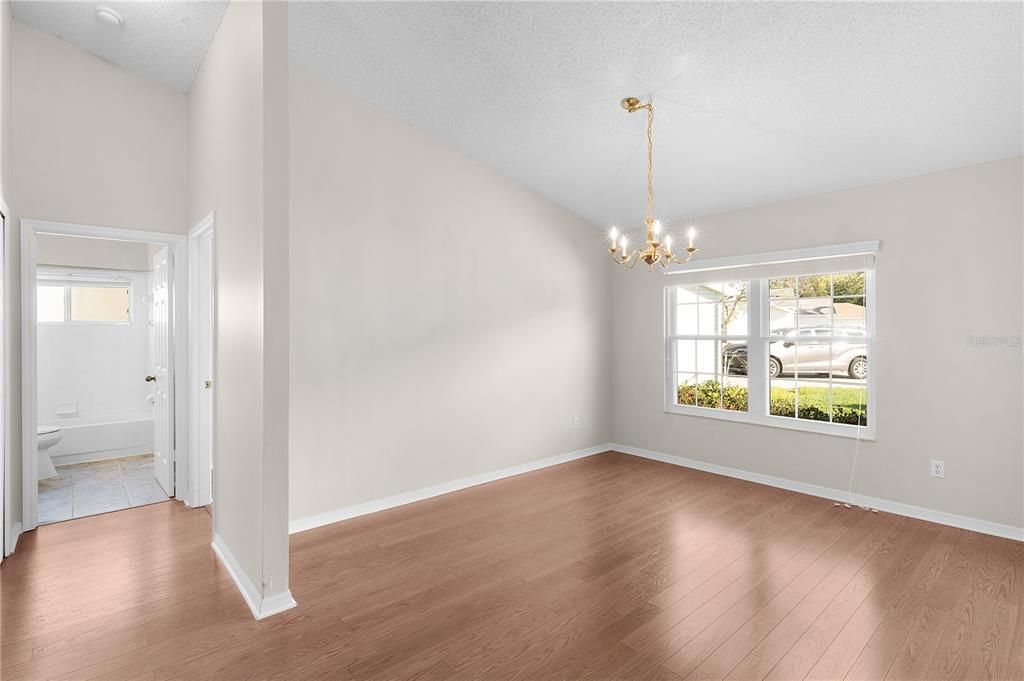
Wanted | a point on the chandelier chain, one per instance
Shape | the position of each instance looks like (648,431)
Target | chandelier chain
(650,161)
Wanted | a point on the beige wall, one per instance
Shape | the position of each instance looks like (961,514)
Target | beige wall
(96,144)
(107,254)
(446,322)
(950,267)
(235,168)
(6,21)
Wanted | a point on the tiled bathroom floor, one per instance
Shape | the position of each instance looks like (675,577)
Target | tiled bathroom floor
(84,489)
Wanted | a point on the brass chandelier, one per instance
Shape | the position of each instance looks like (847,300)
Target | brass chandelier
(657,251)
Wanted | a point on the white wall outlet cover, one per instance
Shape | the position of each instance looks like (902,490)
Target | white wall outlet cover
(66,408)
(938,469)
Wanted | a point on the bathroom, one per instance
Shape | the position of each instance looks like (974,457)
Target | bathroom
(96,382)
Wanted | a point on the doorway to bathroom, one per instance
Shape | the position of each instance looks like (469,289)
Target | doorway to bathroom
(104,356)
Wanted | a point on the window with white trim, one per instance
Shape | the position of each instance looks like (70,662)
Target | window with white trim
(788,350)
(60,301)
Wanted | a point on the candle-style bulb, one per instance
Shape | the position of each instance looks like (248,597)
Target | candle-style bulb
(692,234)
(613,234)
(668,243)
(657,226)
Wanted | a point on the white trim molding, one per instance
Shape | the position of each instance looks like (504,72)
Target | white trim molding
(348,512)
(260,607)
(778,257)
(896,507)
(199,492)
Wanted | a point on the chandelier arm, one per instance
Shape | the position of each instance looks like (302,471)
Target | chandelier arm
(636,258)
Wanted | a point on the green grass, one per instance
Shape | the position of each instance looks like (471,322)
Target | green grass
(851,398)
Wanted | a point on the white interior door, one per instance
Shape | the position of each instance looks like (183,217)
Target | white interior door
(161,377)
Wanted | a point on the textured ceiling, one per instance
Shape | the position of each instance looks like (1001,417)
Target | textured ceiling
(755,102)
(164,41)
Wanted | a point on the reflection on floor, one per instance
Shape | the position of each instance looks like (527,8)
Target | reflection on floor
(84,489)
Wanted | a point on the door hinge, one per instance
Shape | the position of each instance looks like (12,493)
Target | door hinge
(208,384)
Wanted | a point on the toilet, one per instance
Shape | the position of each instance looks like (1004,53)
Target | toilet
(46,437)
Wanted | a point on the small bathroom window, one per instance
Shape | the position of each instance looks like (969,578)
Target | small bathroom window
(89,302)
(100,303)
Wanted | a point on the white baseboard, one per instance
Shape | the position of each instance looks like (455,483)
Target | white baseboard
(941,517)
(277,603)
(337,515)
(899,508)
(261,607)
(12,539)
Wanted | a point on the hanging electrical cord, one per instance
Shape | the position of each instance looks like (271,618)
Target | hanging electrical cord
(868,262)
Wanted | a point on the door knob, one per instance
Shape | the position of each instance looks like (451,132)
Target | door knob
(150,379)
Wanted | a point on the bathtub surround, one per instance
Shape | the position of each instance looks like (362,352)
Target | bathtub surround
(97,439)
(85,489)
(96,372)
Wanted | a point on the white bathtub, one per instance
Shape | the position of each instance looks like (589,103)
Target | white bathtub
(97,438)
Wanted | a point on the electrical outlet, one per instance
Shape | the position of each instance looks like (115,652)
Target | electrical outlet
(938,469)
(575,422)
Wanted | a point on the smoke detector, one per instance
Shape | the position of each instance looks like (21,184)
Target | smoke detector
(110,17)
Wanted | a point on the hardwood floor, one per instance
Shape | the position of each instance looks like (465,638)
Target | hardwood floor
(610,567)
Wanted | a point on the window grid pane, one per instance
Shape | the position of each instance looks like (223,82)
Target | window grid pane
(99,303)
(50,303)
(711,374)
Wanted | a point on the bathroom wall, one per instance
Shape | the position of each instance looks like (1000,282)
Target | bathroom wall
(100,368)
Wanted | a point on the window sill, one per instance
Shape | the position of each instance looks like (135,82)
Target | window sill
(865,434)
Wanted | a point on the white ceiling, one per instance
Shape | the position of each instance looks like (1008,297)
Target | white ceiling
(164,41)
(755,102)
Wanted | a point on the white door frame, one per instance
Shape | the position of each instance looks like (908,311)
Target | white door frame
(199,461)
(8,535)
(176,244)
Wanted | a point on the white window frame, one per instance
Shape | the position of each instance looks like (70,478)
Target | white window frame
(671,357)
(67,282)
(758,338)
